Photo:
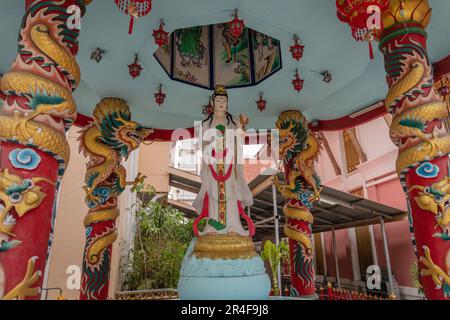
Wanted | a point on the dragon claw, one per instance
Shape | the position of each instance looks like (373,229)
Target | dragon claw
(431,269)
(25,289)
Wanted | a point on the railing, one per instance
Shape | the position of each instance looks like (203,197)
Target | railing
(158,294)
(47,290)
(333,293)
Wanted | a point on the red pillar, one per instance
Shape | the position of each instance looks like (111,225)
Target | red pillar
(419,131)
(298,150)
(33,148)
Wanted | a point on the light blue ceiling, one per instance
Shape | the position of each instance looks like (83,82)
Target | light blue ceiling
(357,82)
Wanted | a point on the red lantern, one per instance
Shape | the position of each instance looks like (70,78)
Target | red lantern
(261,103)
(135,68)
(236,25)
(297,49)
(160,35)
(160,96)
(364,17)
(297,82)
(135,9)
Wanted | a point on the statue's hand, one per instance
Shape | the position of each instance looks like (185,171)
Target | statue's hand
(243,119)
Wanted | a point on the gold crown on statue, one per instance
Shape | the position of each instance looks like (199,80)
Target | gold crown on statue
(220,90)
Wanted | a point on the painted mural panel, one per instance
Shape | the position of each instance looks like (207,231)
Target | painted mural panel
(192,55)
(267,57)
(207,56)
(231,57)
(163,55)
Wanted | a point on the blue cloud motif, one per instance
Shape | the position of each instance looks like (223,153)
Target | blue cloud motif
(427,170)
(26,159)
(103,193)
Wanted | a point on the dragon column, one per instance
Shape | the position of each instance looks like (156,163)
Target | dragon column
(37,109)
(299,150)
(110,138)
(418,129)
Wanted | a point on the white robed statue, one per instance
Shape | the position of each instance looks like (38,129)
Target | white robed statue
(221,261)
(224,193)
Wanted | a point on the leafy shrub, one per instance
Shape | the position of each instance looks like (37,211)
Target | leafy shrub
(162,237)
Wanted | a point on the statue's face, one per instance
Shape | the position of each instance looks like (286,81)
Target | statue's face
(220,104)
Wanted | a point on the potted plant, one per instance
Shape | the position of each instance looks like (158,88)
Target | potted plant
(273,255)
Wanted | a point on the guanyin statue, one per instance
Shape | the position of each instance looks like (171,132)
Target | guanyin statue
(224,192)
(221,262)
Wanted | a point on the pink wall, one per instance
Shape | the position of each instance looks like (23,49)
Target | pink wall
(389,193)
(343,253)
(381,154)
(400,246)
(400,250)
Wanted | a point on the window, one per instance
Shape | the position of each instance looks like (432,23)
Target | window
(351,154)
(363,241)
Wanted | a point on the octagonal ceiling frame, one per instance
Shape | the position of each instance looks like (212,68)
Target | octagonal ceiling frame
(211,51)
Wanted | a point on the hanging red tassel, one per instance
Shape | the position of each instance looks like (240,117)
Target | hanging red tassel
(371,51)
(130,30)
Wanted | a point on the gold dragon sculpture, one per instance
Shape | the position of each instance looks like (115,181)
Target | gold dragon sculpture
(301,147)
(109,139)
(298,150)
(418,129)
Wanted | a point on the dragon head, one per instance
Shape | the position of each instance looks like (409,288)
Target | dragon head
(113,117)
(293,133)
(22,195)
(436,199)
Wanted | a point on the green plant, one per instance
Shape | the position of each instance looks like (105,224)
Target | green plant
(162,237)
(414,273)
(273,254)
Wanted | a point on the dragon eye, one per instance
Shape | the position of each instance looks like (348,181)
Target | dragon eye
(438,198)
(426,189)
(28,183)
(15,197)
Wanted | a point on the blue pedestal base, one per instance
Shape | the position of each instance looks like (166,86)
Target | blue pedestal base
(243,288)
(208,279)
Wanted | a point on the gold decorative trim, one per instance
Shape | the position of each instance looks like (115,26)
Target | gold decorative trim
(224,246)
(36,134)
(298,214)
(412,10)
(422,152)
(100,216)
